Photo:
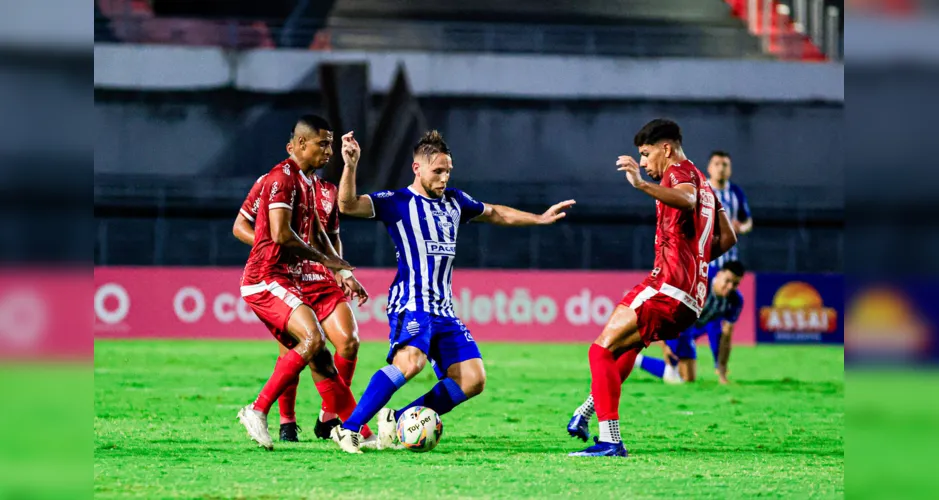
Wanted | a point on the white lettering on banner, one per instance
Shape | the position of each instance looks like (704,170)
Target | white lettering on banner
(581,309)
(245,314)
(519,309)
(179,304)
(224,307)
(377,313)
(23,318)
(123,303)
(545,310)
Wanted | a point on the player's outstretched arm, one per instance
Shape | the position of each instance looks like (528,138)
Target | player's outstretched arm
(243,230)
(284,235)
(502,215)
(682,196)
(723,352)
(351,203)
(724,236)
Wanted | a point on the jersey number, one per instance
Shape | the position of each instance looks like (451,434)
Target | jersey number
(708,215)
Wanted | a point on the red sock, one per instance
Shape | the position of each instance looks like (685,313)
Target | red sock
(605,383)
(287,402)
(625,363)
(337,398)
(345,367)
(286,370)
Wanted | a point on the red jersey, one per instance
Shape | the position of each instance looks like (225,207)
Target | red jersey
(683,239)
(325,195)
(287,187)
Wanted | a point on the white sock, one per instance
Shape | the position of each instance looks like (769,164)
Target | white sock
(609,431)
(671,373)
(637,365)
(586,409)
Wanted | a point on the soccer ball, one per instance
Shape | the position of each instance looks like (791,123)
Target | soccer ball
(419,429)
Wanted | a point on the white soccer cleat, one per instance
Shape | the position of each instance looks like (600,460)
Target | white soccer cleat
(347,440)
(255,423)
(387,429)
(671,375)
(369,443)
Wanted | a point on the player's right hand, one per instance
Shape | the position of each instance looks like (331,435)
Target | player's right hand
(668,354)
(629,165)
(350,150)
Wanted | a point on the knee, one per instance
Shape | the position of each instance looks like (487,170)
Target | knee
(349,348)
(410,364)
(310,345)
(473,384)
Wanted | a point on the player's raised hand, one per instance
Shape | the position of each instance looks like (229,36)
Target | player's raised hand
(628,164)
(556,212)
(350,150)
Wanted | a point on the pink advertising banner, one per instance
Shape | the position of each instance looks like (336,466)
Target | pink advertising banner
(497,305)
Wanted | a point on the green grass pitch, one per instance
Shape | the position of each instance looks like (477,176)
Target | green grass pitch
(165,426)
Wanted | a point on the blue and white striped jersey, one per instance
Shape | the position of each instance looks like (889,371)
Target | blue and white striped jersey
(735,203)
(424,231)
(720,308)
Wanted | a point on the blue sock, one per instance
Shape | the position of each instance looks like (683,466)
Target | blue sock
(442,398)
(654,366)
(379,391)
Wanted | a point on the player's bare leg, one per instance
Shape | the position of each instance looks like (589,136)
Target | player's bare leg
(620,337)
(306,331)
(342,331)
(688,369)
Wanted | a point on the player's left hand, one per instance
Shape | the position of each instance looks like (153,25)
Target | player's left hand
(354,289)
(556,212)
(669,355)
(629,165)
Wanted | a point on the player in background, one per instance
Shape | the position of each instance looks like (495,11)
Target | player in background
(423,220)
(718,316)
(323,292)
(720,312)
(286,211)
(733,199)
(691,229)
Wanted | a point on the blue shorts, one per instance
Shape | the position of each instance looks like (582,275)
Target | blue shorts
(684,346)
(445,341)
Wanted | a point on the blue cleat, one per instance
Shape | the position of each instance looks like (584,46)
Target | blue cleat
(579,427)
(602,449)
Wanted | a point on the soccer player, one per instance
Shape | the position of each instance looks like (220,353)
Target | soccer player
(423,220)
(733,199)
(671,298)
(321,291)
(286,211)
(720,312)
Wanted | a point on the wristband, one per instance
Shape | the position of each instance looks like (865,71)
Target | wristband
(345,273)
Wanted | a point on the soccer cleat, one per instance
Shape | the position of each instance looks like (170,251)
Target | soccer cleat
(255,423)
(387,428)
(370,443)
(288,432)
(347,440)
(323,430)
(579,427)
(671,376)
(602,449)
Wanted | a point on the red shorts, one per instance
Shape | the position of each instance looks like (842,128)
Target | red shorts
(322,296)
(274,300)
(660,316)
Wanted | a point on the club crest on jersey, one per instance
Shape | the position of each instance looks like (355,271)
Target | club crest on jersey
(702,292)
(438,248)
(327,205)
